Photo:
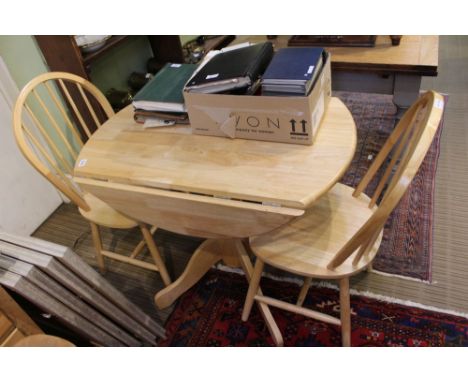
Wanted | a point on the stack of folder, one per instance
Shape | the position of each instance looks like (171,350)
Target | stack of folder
(234,71)
(161,102)
(292,71)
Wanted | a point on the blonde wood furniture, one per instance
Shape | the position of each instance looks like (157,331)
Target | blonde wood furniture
(18,329)
(385,68)
(212,187)
(15,324)
(50,141)
(339,236)
(43,340)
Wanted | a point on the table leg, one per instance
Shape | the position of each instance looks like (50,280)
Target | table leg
(405,91)
(206,255)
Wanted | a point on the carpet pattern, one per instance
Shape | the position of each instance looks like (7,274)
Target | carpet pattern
(406,247)
(209,314)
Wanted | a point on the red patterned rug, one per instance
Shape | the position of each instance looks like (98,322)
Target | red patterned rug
(209,314)
(406,247)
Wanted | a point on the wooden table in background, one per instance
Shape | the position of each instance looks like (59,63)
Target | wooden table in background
(384,68)
(216,188)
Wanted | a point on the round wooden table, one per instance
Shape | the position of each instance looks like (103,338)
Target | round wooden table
(212,187)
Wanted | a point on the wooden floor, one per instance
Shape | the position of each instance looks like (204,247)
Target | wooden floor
(67,227)
(449,289)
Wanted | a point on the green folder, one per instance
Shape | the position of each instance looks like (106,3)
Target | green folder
(164,91)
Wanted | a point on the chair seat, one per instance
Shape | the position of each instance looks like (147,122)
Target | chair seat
(306,245)
(104,215)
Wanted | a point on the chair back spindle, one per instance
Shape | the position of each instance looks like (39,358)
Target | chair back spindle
(44,127)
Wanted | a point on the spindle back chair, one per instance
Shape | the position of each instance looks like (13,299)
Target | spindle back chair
(54,115)
(340,235)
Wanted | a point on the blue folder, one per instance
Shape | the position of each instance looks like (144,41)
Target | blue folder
(293,70)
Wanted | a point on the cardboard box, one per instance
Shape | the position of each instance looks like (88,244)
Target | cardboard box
(265,118)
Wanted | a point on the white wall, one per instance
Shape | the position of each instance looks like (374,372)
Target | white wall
(26,198)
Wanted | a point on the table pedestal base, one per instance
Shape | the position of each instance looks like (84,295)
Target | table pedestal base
(233,253)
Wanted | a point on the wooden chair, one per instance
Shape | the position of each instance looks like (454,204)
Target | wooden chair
(50,131)
(340,235)
(43,340)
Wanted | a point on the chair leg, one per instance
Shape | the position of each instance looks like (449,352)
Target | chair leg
(253,289)
(155,254)
(98,246)
(345,312)
(304,290)
(136,251)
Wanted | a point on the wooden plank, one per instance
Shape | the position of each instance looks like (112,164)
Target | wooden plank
(68,259)
(59,292)
(69,318)
(173,159)
(81,288)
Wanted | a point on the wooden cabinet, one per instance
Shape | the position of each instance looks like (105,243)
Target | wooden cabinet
(63,54)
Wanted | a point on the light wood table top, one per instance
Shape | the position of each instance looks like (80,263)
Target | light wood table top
(415,54)
(211,187)
(279,174)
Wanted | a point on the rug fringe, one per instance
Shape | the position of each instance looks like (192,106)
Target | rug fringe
(352,291)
